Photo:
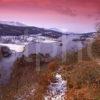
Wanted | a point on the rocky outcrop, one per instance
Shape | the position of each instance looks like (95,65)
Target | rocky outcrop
(4,51)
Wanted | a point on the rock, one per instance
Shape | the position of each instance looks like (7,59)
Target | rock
(5,51)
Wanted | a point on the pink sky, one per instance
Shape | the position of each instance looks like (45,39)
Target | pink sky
(67,15)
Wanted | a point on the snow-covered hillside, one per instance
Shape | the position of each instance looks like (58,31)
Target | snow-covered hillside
(12,23)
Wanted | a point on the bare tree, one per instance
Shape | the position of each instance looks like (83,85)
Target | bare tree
(98,28)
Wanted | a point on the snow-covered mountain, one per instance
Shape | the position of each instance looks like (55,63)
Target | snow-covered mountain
(55,29)
(12,23)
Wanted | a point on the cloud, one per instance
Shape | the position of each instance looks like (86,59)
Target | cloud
(67,7)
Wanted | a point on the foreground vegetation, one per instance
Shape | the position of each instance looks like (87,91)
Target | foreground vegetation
(83,81)
(83,77)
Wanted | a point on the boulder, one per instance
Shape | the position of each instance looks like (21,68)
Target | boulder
(5,51)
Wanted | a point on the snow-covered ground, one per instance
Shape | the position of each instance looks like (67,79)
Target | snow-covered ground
(14,47)
(43,39)
(18,43)
(56,90)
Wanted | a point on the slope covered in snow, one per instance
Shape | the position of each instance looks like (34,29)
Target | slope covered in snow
(12,23)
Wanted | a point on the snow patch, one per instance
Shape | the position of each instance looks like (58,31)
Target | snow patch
(56,90)
(14,47)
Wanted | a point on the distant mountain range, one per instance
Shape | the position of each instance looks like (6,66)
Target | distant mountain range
(16,28)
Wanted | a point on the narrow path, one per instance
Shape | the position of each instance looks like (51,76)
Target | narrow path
(56,90)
